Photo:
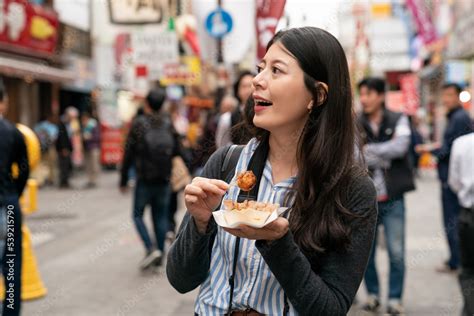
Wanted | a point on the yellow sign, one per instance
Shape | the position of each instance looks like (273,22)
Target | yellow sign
(381,10)
(186,73)
(40,28)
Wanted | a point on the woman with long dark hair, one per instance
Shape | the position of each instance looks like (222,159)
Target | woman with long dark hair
(311,260)
(242,90)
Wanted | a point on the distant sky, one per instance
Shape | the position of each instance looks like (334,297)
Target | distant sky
(74,12)
(320,13)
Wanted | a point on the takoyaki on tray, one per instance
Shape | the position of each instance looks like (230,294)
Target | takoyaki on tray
(251,213)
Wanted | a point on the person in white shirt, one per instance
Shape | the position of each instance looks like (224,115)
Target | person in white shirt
(228,105)
(461,170)
(461,181)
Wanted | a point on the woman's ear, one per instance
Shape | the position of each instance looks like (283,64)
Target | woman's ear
(322,90)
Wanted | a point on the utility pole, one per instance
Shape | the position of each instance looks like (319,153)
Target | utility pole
(220,57)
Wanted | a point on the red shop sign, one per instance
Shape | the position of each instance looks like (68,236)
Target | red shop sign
(268,14)
(112,142)
(28,28)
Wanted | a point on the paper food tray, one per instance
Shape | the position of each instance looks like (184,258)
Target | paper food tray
(253,218)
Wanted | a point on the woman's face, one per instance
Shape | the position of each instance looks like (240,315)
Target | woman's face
(280,95)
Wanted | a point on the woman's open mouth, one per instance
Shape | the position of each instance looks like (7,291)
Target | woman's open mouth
(261,103)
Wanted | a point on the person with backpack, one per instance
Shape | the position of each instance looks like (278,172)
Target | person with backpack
(151,145)
(310,260)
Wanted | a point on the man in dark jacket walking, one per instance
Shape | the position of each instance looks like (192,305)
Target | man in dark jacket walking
(151,146)
(458,124)
(12,151)
(386,138)
(64,149)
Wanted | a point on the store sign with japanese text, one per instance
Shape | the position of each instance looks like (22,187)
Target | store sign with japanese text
(395,101)
(185,73)
(409,86)
(407,99)
(111,145)
(27,28)
(137,11)
(154,48)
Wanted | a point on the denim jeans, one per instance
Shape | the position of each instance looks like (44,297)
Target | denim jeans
(157,196)
(392,216)
(451,209)
(11,253)
(466,277)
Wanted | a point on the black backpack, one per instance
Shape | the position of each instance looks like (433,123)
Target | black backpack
(158,150)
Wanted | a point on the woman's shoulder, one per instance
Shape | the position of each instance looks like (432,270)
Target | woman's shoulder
(359,180)
(361,193)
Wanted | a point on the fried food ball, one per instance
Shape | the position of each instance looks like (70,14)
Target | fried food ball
(246,180)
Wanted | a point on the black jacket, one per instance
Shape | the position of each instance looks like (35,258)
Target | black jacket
(12,150)
(459,124)
(63,141)
(399,176)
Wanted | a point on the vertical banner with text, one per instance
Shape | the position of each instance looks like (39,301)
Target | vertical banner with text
(422,19)
(269,13)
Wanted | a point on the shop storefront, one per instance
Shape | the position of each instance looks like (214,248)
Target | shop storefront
(29,64)
(76,49)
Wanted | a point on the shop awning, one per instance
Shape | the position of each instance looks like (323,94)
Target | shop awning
(37,71)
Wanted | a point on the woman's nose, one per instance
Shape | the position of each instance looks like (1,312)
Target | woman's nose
(258,81)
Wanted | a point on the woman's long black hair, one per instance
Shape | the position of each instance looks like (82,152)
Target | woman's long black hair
(326,160)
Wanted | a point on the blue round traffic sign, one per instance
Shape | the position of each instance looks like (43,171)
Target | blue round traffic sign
(219,23)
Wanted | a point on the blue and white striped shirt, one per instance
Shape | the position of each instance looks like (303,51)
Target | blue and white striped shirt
(255,285)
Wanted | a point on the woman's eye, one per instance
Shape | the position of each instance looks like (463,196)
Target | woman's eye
(275,70)
(259,69)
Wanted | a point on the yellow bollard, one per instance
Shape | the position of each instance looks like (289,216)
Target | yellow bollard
(29,198)
(33,194)
(31,285)
(33,146)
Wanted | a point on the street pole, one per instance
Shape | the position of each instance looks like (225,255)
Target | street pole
(220,58)
(220,61)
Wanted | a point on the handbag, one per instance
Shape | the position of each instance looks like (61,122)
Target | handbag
(180,176)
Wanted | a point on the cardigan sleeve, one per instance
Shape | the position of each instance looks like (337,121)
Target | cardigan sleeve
(332,289)
(189,256)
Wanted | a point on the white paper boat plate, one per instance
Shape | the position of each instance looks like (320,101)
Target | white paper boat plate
(252,218)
